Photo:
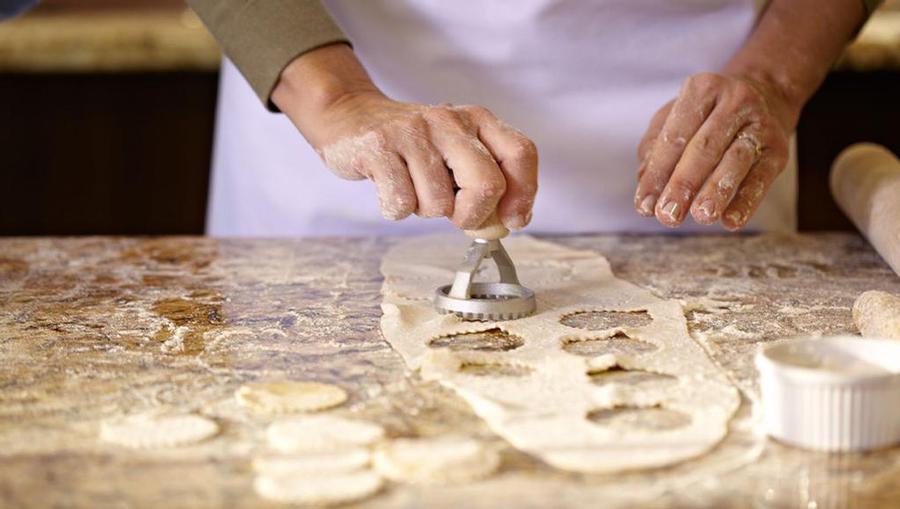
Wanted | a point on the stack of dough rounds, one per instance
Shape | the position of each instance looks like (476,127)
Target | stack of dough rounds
(287,397)
(146,431)
(327,461)
(326,488)
(436,460)
(311,433)
(346,460)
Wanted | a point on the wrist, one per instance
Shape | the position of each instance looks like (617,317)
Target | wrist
(314,83)
(784,95)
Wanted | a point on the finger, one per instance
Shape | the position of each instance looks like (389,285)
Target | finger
(751,192)
(480,181)
(518,160)
(396,193)
(430,177)
(722,185)
(700,157)
(656,125)
(694,103)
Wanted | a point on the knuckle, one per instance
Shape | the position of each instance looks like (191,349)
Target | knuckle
(742,93)
(703,83)
(525,151)
(478,111)
(493,188)
(442,116)
(704,146)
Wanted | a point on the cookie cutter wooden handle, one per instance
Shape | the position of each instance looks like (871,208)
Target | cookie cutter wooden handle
(491,229)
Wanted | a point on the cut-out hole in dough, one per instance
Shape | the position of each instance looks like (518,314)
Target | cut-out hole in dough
(626,418)
(494,369)
(602,320)
(492,340)
(619,344)
(633,377)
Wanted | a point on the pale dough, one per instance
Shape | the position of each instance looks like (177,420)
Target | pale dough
(286,397)
(147,431)
(341,461)
(435,460)
(328,489)
(544,410)
(877,315)
(321,433)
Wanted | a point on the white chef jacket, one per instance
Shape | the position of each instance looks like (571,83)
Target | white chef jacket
(582,78)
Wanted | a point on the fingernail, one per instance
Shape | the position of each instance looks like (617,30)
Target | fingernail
(708,209)
(520,221)
(670,209)
(735,218)
(647,204)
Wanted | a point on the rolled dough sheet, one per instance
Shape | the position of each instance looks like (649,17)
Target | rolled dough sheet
(546,403)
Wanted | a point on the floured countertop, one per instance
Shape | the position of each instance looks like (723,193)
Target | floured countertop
(96,328)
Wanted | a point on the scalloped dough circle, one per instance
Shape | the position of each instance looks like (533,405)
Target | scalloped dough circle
(319,490)
(341,461)
(435,460)
(321,433)
(145,431)
(288,396)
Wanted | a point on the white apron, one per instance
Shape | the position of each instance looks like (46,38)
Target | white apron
(581,78)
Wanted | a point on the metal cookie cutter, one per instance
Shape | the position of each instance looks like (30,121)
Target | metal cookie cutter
(503,300)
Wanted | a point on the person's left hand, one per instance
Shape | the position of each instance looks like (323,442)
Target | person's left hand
(714,150)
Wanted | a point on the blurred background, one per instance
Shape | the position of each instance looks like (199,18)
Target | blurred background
(108,107)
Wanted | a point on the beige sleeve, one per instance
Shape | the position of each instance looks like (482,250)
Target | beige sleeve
(262,37)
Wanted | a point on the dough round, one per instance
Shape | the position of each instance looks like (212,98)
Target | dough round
(286,397)
(877,314)
(436,460)
(343,461)
(144,431)
(321,433)
(330,489)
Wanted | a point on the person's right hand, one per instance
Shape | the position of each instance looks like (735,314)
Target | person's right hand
(455,161)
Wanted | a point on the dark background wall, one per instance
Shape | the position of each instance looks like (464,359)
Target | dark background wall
(105,153)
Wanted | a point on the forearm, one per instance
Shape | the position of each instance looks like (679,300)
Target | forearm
(794,45)
(315,82)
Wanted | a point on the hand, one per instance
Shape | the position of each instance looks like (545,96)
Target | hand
(715,150)
(455,161)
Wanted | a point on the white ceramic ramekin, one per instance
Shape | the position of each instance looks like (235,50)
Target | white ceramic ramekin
(831,394)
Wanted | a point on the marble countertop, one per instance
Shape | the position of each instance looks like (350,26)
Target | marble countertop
(93,328)
(175,40)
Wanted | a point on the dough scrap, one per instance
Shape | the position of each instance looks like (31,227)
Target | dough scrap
(877,315)
(287,396)
(148,431)
(342,461)
(544,412)
(435,460)
(320,490)
(321,433)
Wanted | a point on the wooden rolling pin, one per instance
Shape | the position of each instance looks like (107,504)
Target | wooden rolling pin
(865,182)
